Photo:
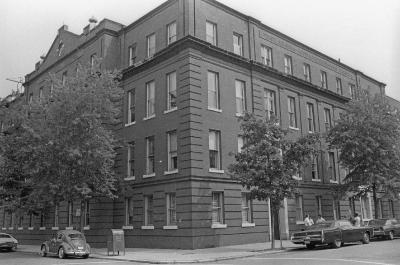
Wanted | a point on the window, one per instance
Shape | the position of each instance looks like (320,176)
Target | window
(299,208)
(324,83)
(129,211)
(318,200)
(292,112)
(266,55)
(131,160)
(237,44)
(331,166)
(352,205)
(288,65)
(379,207)
(70,213)
(240,143)
(391,209)
(214,139)
(92,60)
(151,45)
(171,33)
(86,213)
(56,215)
(64,78)
(352,90)
(218,207)
(131,106)
(51,88)
(40,94)
(148,210)
(30,99)
(269,103)
(30,220)
(336,209)
(150,155)
(314,168)
(213,90)
(171,208)
(339,88)
(172,151)
(310,117)
(240,97)
(211,33)
(150,99)
(42,219)
(132,54)
(21,221)
(247,215)
(307,72)
(364,207)
(327,119)
(171,87)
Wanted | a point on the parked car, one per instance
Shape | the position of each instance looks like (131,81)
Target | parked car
(332,233)
(66,243)
(9,242)
(384,228)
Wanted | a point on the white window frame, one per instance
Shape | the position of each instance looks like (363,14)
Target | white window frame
(217,148)
(307,72)
(172,151)
(217,208)
(171,33)
(352,89)
(269,102)
(86,213)
(339,87)
(292,112)
(238,44)
(150,156)
(299,208)
(327,119)
(129,211)
(314,169)
(310,117)
(92,60)
(172,91)
(130,161)
(336,209)
(247,209)
(171,209)
(240,91)
(211,37)
(332,166)
(70,220)
(131,107)
(288,64)
(266,55)
(151,45)
(213,90)
(391,209)
(131,54)
(148,211)
(324,80)
(150,99)
(40,94)
(64,78)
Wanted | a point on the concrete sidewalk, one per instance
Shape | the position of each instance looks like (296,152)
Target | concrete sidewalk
(171,256)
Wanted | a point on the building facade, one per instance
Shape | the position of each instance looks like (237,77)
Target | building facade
(190,69)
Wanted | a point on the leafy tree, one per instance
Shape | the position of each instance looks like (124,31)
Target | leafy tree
(269,160)
(368,135)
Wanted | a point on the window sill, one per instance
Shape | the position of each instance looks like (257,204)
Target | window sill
(86,227)
(147,227)
(20,228)
(55,228)
(149,175)
(130,124)
(129,178)
(150,117)
(248,224)
(175,171)
(294,128)
(299,222)
(170,227)
(69,228)
(316,180)
(170,110)
(127,227)
(333,181)
(218,226)
(42,228)
(216,110)
(30,228)
(218,171)
(11,228)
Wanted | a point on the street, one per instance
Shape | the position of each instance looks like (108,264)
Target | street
(377,252)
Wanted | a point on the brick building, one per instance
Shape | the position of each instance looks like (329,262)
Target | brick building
(190,68)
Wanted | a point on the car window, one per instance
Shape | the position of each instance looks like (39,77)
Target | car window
(59,237)
(4,236)
(75,236)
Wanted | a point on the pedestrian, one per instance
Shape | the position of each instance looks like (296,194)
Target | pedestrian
(357,220)
(308,221)
(320,219)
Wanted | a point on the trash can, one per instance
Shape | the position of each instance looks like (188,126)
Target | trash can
(115,242)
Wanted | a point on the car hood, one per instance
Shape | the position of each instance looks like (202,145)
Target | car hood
(4,240)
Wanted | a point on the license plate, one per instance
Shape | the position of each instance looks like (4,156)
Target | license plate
(80,247)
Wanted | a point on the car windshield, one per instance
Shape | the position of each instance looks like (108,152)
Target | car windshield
(76,236)
(4,236)
(320,225)
(377,222)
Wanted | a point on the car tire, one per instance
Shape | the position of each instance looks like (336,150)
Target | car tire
(310,246)
(61,253)
(337,243)
(365,239)
(391,235)
(43,252)
(85,256)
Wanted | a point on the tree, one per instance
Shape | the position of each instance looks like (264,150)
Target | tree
(367,135)
(61,147)
(269,160)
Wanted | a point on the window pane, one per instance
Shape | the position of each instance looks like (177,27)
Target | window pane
(213,100)
(171,83)
(240,97)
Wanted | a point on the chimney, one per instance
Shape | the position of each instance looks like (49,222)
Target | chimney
(63,27)
(92,22)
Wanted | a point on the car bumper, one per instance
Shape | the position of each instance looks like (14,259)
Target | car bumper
(307,240)
(8,245)
(77,253)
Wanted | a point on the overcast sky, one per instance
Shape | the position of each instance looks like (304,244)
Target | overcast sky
(364,34)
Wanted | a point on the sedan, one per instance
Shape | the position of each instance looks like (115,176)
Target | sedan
(66,243)
(384,228)
(332,233)
(7,241)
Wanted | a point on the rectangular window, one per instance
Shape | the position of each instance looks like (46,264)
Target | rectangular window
(30,99)
(148,210)
(150,99)
(40,94)
(92,60)
(352,205)
(364,207)
(132,54)
(352,90)
(31,220)
(391,209)
(171,33)
(21,221)
(324,82)
(42,219)
(331,166)
(64,78)
(247,215)
(214,142)
(211,33)
(307,72)
(171,87)
(288,65)
(327,119)
(86,208)
(379,207)
(266,55)
(172,151)
(237,44)
(310,117)
(217,207)
(339,88)
(336,209)
(240,143)
(151,45)
(171,209)
(240,97)
(269,103)
(56,215)
(318,200)
(213,90)
(70,213)
(129,211)
(131,160)
(299,208)
(292,112)
(131,106)
(314,168)
(150,155)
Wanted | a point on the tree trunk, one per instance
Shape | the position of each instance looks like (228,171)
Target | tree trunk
(375,200)
(272,228)
(279,227)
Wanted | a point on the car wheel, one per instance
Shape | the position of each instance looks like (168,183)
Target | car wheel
(61,253)
(310,246)
(85,256)
(43,252)
(365,239)
(337,243)
(391,235)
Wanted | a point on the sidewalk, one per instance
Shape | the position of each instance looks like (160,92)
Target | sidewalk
(171,256)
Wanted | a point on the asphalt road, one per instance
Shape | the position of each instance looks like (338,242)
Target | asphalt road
(375,253)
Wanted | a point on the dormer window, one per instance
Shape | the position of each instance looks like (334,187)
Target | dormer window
(60,48)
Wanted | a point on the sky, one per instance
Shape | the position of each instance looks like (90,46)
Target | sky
(364,34)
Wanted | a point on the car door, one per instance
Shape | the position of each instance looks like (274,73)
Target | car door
(346,232)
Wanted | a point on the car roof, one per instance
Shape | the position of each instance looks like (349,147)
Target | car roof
(5,234)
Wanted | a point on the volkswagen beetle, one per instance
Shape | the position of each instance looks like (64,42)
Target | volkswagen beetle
(66,243)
